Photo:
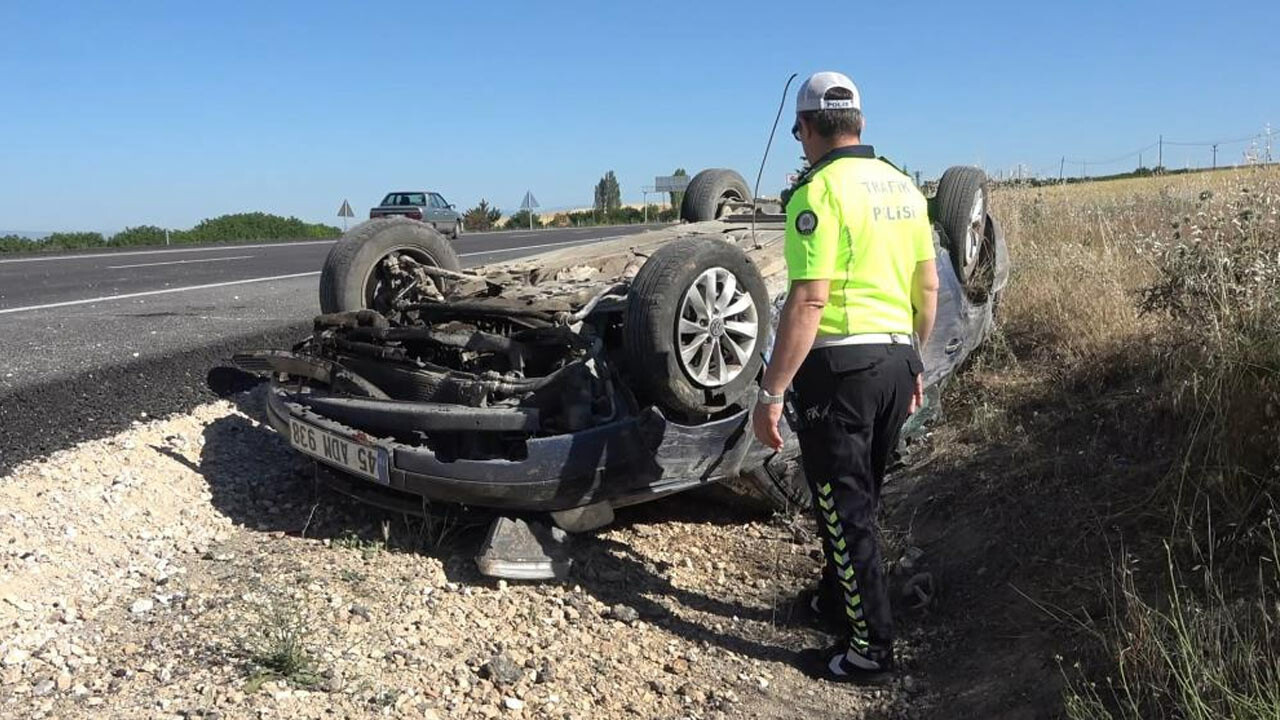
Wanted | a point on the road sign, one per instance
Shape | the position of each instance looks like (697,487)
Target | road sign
(528,204)
(344,212)
(670,183)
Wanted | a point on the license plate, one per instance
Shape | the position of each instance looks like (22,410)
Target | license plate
(367,462)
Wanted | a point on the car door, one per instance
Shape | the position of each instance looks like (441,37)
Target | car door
(440,213)
(451,214)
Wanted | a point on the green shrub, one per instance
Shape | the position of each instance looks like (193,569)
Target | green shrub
(17,243)
(482,217)
(75,240)
(521,220)
(254,226)
(142,235)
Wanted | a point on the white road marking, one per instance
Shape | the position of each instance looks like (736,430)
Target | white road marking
(149,293)
(180,262)
(218,248)
(163,252)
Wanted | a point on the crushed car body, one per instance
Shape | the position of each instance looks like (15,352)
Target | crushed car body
(580,380)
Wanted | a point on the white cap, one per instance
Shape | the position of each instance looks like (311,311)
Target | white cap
(813,93)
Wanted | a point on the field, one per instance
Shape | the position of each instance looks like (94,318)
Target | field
(1104,508)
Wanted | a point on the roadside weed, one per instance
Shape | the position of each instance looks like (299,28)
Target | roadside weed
(277,643)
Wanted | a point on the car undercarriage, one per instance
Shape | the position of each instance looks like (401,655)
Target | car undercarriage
(576,381)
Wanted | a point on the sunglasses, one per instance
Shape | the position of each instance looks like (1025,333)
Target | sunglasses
(795,131)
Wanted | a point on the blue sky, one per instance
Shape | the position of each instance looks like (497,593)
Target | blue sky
(130,113)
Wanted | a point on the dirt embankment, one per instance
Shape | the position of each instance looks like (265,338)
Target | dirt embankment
(189,567)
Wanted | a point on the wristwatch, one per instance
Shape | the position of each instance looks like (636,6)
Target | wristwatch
(767,398)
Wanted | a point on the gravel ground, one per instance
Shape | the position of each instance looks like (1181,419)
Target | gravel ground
(191,567)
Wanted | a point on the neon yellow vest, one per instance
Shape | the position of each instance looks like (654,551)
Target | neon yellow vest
(860,223)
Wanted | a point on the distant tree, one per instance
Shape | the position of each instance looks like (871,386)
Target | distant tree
(678,197)
(608,196)
(482,217)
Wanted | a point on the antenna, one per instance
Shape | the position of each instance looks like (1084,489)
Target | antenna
(755,192)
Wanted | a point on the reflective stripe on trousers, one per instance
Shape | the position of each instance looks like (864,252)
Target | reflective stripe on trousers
(838,554)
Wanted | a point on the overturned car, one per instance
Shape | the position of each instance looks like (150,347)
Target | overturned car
(584,379)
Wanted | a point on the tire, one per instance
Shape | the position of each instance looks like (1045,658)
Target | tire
(961,208)
(723,361)
(707,192)
(347,278)
(997,239)
(783,486)
(457,231)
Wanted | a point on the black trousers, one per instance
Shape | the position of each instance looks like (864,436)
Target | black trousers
(850,403)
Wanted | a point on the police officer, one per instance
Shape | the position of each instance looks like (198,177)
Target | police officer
(860,260)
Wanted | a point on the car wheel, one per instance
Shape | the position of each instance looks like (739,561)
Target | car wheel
(697,320)
(783,485)
(961,209)
(354,276)
(708,191)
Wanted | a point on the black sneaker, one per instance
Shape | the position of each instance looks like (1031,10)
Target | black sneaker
(840,664)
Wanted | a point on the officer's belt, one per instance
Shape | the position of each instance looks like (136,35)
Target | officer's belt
(864,339)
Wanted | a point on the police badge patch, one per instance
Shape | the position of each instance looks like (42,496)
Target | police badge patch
(806,222)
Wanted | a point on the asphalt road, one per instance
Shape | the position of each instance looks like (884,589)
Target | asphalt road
(94,341)
(40,282)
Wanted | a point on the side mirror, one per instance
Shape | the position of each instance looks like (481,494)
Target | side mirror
(452,206)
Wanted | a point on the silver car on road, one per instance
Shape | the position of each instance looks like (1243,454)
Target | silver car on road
(424,206)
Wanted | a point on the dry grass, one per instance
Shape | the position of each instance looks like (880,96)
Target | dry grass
(1145,315)
(1170,288)
(1207,651)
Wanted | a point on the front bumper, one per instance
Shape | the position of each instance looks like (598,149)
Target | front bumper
(630,460)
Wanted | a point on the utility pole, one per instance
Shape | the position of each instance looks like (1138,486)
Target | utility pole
(1160,159)
(1062,166)
(1215,156)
